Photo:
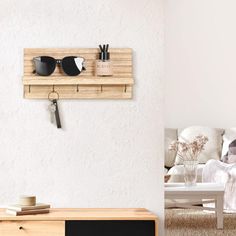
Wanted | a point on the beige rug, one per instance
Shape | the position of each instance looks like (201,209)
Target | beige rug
(189,222)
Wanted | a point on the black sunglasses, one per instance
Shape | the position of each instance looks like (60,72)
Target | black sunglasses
(70,65)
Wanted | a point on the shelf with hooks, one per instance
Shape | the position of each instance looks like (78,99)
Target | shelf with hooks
(86,85)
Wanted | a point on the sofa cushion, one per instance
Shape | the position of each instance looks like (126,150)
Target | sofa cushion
(228,137)
(212,149)
(170,136)
(177,173)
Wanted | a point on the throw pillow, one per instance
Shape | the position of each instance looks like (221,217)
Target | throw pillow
(230,156)
(228,137)
(170,136)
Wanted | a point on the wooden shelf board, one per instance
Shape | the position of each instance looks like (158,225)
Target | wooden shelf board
(121,96)
(64,80)
(85,214)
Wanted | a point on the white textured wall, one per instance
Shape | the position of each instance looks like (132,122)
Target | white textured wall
(109,153)
(200,63)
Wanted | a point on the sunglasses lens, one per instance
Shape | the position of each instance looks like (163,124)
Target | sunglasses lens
(44,65)
(72,66)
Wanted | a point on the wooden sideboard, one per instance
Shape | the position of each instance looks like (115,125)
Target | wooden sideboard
(82,222)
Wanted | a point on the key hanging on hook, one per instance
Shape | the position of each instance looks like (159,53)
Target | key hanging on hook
(53,107)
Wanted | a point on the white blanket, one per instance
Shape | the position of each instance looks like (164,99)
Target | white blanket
(220,172)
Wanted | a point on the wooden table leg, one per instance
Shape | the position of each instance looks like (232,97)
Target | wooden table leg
(219,211)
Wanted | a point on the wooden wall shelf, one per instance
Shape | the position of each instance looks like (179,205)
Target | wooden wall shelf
(86,85)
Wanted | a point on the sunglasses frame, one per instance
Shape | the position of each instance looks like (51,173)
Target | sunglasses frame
(59,63)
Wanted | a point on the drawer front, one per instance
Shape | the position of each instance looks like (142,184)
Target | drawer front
(110,228)
(32,228)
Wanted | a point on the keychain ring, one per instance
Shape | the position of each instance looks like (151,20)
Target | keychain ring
(53,92)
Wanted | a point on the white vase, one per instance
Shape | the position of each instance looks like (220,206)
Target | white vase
(190,172)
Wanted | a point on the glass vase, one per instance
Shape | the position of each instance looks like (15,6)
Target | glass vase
(190,172)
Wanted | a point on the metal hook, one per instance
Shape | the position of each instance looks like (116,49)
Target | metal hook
(77,88)
(125,88)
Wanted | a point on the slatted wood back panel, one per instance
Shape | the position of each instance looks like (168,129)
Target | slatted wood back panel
(84,86)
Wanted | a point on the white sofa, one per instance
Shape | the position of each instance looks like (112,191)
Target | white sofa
(216,148)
